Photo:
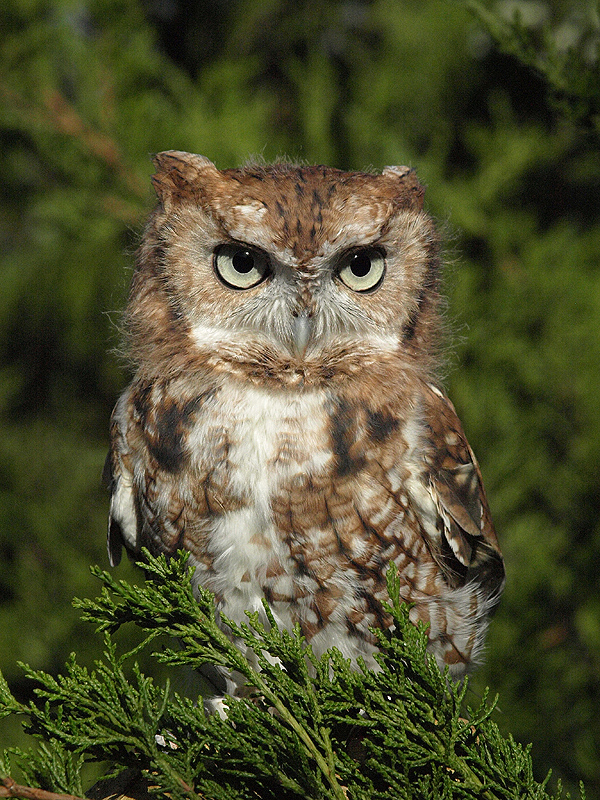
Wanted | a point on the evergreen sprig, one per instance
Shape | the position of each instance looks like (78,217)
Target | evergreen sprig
(572,74)
(310,727)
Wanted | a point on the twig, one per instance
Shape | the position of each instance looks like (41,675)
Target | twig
(10,788)
(55,111)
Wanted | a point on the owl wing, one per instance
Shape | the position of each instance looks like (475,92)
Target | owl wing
(114,539)
(469,547)
(144,473)
(123,518)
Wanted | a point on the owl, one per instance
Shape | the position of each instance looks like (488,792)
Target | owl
(284,423)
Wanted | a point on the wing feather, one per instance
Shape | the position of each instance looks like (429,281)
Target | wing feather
(123,518)
(457,488)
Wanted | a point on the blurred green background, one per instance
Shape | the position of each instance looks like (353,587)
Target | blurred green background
(89,90)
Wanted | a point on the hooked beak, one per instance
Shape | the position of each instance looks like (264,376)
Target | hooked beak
(302,329)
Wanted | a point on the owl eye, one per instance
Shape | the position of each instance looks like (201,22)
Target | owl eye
(239,266)
(362,270)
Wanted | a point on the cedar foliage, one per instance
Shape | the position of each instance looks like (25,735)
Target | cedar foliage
(291,739)
(497,112)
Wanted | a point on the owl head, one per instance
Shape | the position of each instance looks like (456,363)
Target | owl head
(285,269)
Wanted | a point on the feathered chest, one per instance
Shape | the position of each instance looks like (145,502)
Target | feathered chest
(252,442)
(299,497)
(304,498)
(246,446)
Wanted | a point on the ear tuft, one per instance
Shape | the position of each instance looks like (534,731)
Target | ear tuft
(176,172)
(410,192)
(399,172)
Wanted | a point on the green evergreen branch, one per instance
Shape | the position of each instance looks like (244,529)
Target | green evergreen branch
(312,727)
(214,646)
(573,78)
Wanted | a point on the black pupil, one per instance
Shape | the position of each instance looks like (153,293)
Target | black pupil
(360,265)
(243,261)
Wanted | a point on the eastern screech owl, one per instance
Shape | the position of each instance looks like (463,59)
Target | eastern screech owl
(284,423)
